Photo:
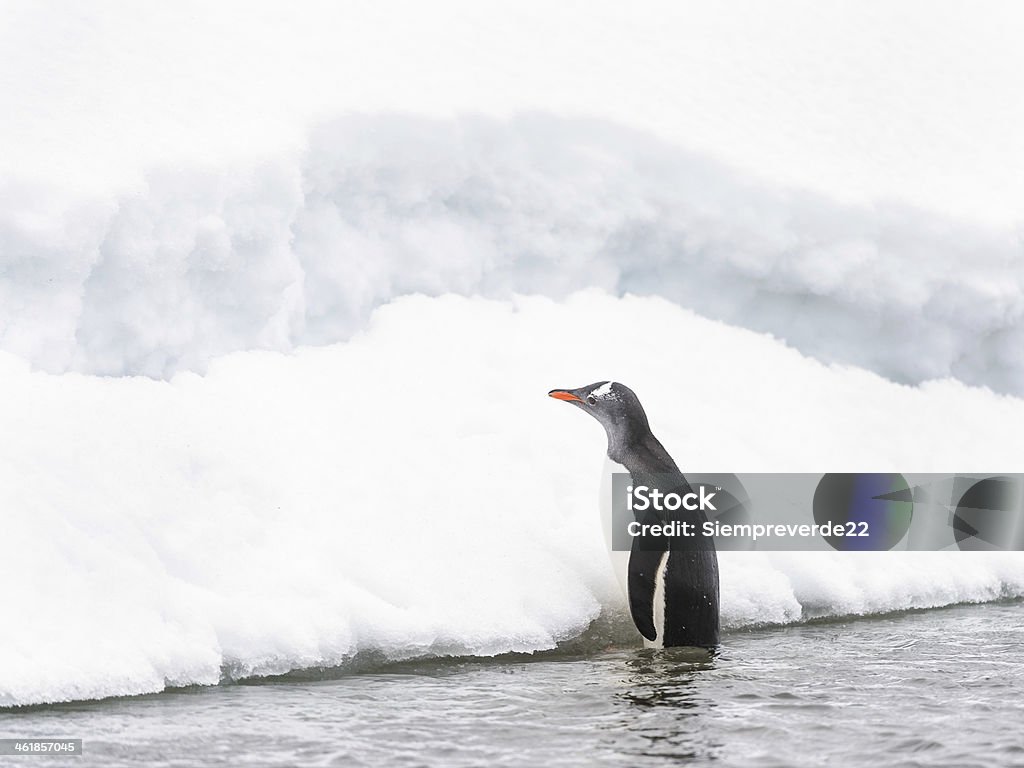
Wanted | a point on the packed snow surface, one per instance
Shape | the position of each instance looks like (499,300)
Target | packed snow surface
(413,491)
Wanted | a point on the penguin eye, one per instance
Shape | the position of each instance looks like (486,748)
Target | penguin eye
(591,400)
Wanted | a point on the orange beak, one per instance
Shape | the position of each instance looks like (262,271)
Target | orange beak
(559,394)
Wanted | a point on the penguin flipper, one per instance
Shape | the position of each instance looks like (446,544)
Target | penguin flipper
(643,573)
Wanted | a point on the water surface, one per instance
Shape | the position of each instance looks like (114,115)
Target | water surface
(929,688)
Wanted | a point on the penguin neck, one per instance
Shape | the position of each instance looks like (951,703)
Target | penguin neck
(642,455)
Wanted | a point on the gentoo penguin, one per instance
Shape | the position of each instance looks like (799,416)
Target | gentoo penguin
(672,582)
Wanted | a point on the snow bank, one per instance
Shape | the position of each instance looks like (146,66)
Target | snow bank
(274,256)
(413,491)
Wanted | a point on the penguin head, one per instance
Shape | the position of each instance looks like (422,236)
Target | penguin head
(614,405)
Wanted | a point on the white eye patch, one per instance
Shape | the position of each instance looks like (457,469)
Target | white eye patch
(603,391)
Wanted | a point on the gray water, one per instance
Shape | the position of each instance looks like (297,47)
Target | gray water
(940,687)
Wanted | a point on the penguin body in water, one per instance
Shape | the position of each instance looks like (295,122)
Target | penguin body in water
(672,582)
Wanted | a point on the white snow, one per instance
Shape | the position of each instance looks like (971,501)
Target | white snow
(909,100)
(289,253)
(290,510)
(295,238)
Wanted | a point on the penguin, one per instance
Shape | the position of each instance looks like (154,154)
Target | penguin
(672,583)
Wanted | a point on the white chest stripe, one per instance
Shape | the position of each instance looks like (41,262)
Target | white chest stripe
(659,605)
